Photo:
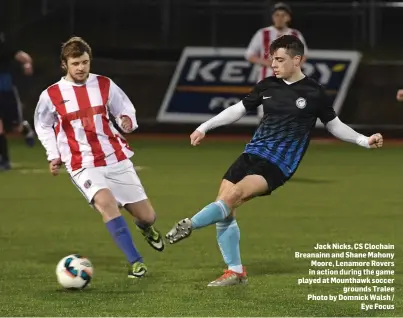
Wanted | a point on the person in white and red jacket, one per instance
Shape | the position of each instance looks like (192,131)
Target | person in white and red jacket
(259,46)
(73,124)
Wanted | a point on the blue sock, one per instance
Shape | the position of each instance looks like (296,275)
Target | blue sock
(212,213)
(123,239)
(228,237)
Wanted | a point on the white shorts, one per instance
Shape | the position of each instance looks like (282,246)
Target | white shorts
(120,178)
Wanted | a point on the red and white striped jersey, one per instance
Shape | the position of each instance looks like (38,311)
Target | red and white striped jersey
(72,122)
(260,45)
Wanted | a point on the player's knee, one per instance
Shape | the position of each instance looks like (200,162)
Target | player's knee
(107,208)
(149,218)
(142,211)
(233,197)
(106,204)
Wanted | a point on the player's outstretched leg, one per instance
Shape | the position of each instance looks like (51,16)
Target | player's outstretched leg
(228,237)
(106,204)
(120,232)
(151,235)
(145,217)
(210,214)
(228,233)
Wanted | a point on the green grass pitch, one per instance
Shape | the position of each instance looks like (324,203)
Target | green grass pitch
(341,193)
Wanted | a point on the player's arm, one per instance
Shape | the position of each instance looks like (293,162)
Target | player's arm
(226,117)
(252,53)
(229,115)
(343,132)
(122,108)
(25,60)
(45,121)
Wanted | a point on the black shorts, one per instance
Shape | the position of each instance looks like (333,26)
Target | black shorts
(9,110)
(248,164)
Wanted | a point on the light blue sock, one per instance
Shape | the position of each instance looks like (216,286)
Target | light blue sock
(212,213)
(228,237)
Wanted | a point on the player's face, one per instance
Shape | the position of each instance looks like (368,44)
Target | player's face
(78,68)
(284,66)
(281,19)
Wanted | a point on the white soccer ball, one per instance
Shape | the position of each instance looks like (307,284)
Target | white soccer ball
(74,272)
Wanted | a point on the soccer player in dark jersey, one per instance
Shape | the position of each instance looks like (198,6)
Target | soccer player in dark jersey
(292,103)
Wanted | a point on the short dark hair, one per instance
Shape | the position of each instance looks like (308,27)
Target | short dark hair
(281,6)
(291,43)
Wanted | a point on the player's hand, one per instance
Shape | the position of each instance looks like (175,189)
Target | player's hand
(28,69)
(54,166)
(399,95)
(375,141)
(126,124)
(196,137)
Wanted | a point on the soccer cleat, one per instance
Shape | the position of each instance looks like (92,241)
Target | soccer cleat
(137,270)
(180,231)
(230,278)
(153,237)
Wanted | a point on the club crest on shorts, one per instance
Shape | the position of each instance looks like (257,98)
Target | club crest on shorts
(301,103)
(87,184)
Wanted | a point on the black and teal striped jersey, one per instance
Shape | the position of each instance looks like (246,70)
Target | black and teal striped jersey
(290,114)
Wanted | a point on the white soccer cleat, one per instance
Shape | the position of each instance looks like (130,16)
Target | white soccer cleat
(180,231)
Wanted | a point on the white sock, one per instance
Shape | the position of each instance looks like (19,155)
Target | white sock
(237,269)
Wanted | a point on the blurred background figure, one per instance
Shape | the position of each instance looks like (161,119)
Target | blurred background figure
(10,103)
(258,49)
(399,95)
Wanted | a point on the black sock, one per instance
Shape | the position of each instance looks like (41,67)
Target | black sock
(3,148)
(142,225)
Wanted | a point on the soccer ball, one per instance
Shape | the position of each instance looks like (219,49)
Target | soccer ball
(74,272)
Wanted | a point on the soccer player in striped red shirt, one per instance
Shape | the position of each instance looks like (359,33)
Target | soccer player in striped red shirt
(73,124)
(259,47)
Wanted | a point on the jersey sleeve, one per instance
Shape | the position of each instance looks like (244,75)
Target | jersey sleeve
(254,99)
(121,106)
(45,120)
(326,112)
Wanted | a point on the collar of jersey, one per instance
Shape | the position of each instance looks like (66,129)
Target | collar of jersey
(289,83)
(77,84)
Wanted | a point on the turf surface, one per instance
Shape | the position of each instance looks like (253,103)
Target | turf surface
(341,193)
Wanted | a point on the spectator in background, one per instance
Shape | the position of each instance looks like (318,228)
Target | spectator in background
(10,106)
(399,95)
(258,49)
